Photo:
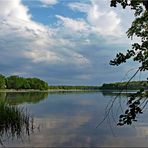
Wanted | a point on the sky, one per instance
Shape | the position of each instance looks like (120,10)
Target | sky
(64,42)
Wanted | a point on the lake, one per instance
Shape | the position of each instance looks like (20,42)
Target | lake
(70,119)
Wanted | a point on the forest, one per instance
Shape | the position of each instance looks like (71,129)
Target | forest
(133,85)
(68,87)
(16,82)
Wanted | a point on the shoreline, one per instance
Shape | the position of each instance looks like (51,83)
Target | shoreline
(49,90)
(66,90)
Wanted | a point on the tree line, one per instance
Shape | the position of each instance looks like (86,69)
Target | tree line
(67,87)
(16,82)
(133,85)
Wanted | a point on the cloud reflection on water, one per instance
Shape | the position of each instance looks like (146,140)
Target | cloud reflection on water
(67,120)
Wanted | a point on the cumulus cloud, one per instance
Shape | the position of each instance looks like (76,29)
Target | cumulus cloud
(75,51)
(26,43)
(106,23)
(14,9)
(101,19)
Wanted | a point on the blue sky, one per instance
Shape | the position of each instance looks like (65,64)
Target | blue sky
(64,41)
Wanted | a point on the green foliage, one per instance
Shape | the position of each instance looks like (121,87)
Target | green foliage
(134,85)
(134,4)
(66,87)
(134,108)
(139,53)
(139,28)
(36,83)
(16,82)
(2,82)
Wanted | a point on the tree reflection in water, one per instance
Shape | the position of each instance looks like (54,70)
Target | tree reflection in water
(15,122)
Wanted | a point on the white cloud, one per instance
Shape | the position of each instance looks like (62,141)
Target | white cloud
(101,19)
(73,25)
(14,9)
(72,48)
(49,2)
(106,23)
(34,43)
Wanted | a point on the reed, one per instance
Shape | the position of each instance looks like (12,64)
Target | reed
(14,121)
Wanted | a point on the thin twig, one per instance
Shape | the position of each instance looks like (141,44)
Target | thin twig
(112,104)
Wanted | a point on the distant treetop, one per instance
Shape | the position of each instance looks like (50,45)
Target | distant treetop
(16,82)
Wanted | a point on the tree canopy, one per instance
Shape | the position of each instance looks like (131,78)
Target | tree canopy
(16,82)
(139,53)
(2,82)
(133,85)
(134,4)
(139,28)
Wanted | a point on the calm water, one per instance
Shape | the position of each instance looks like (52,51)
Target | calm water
(70,119)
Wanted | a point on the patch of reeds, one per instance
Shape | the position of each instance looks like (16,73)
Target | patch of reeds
(14,121)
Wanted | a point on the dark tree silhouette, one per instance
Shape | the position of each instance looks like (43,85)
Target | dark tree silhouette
(139,53)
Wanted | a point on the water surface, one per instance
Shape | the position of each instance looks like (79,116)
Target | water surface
(70,120)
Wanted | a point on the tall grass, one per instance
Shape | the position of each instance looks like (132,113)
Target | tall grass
(14,121)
